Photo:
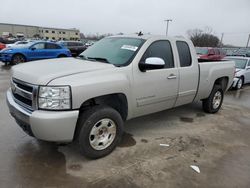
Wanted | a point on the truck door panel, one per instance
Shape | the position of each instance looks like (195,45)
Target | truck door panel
(188,74)
(156,90)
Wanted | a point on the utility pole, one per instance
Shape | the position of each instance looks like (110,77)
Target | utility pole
(248,40)
(221,40)
(168,20)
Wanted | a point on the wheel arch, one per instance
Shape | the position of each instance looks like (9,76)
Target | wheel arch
(118,101)
(19,53)
(223,82)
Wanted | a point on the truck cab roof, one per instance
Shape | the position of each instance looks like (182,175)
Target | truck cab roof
(149,36)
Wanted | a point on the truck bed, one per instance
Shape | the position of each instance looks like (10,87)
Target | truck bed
(209,72)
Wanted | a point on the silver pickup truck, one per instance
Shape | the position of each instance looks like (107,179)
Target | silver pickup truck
(87,99)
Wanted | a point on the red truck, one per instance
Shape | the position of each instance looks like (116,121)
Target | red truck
(210,54)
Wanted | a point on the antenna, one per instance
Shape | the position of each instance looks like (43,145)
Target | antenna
(140,33)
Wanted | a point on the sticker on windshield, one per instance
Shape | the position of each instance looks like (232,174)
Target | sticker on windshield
(129,47)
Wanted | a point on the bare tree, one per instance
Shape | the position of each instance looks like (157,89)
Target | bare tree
(203,38)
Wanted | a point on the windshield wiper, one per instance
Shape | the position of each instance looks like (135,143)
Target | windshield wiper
(83,57)
(99,59)
(104,60)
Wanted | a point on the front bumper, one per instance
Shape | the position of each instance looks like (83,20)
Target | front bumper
(234,82)
(56,126)
(4,57)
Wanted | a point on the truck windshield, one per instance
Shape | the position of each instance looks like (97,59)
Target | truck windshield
(118,51)
(201,51)
(239,63)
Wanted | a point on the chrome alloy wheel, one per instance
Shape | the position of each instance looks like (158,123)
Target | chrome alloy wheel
(217,99)
(102,134)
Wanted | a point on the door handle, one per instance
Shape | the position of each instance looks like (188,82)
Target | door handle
(172,76)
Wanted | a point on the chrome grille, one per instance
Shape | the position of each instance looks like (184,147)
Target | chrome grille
(24,94)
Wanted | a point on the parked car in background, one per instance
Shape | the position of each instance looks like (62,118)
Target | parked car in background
(17,44)
(242,72)
(89,43)
(2,46)
(210,54)
(33,51)
(230,51)
(75,47)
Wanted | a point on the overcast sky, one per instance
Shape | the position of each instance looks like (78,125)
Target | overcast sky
(231,17)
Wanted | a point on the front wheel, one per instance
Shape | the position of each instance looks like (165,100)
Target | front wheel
(18,58)
(213,103)
(239,84)
(100,130)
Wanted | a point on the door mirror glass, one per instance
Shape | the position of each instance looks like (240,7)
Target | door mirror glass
(152,63)
(33,48)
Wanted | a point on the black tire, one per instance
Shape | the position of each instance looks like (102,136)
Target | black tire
(61,56)
(17,58)
(239,84)
(89,119)
(208,104)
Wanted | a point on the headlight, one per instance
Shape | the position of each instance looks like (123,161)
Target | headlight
(8,50)
(54,98)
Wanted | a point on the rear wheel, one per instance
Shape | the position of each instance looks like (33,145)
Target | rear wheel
(18,58)
(213,103)
(99,130)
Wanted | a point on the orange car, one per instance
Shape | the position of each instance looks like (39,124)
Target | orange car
(2,46)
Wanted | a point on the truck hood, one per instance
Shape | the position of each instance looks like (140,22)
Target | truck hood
(43,71)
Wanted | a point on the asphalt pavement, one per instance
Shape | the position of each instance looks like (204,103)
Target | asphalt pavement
(218,144)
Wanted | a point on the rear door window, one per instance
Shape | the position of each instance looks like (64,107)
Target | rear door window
(52,46)
(184,54)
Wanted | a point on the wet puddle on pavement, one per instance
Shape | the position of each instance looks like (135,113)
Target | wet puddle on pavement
(187,119)
(127,140)
(144,140)
(200,114)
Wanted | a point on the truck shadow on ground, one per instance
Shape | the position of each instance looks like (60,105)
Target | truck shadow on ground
(5,67)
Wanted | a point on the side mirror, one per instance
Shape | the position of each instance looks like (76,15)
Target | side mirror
(152,63)
(33,48)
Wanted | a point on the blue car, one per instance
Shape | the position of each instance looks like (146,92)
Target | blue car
(33,51)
